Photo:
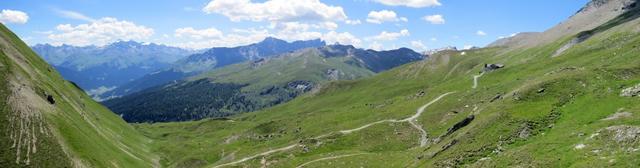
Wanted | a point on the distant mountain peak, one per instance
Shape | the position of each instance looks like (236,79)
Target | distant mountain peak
(122,43)
(404,49)
(271,40)
(340,46)
(274,40)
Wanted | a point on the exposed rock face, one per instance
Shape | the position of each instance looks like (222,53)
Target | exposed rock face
(595,4)
(333,74)
(496,97)
(631,92)
(541,90)
(258,62)
(492,67)
(460,124)
(524,133)
(616,139)
(625,134)
(618,115)
(50,99)
(301,85)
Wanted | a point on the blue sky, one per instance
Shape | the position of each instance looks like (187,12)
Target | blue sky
(376,24)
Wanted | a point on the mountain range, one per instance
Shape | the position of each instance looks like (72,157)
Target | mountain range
(254,85)
(98,69)
(211,59)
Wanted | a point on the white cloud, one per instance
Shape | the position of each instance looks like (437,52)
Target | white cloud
(378,17)
(289,31)
(198,34)
(276,10)
(327,25)
(297,31)
(376,46)
(389,36)
(300,31)
(410,3)
(299,36)
(196,39)
(353,22)
(13,16)
(100,32)
(418,45)
(434,39)
(481,33)
(298,26)
(434,19)
(237,38)
(74,15)
(291,26)
(345,38)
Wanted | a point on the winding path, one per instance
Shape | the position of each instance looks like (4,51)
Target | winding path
(258,155)
(475,80)
(366,126)
(411,120)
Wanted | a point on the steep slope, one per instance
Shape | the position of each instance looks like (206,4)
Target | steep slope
(46,121)
(94,68)
(256,84)
(578,109)
(211,59)
(592,15)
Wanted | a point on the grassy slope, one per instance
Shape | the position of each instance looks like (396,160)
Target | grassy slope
(8,154)
(88,133)
(581,88)
(309,66)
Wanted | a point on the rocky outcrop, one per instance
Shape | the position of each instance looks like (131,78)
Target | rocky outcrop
(618,115)
(304,86)
(492,67)
(631,92)
(496,97)
(525,132)
(259,62)
(624,133)
(461,124)
(333,74)
(50,99)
